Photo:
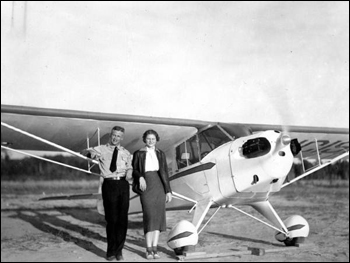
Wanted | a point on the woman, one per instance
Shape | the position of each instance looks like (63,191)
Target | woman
(150,170)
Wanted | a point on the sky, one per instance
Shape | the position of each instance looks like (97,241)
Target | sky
(245,62)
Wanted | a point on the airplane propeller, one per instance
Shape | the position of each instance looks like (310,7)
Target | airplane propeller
(295,146)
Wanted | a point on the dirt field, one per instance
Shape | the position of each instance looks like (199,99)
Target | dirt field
(74,231)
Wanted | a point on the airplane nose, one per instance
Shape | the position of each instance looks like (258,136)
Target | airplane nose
(285,139)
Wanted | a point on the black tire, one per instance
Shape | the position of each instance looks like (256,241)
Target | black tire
(294,241)
(179,251)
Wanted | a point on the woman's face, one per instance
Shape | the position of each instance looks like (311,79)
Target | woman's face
(151,140)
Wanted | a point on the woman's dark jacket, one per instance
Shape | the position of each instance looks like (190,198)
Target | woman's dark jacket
(139,162)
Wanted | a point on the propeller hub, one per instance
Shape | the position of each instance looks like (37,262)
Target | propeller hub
(285,139)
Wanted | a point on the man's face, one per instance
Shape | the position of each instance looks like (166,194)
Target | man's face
(116,137)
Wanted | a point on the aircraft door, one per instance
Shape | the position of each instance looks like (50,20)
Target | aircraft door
(187,162)
(223,171)
(187,153)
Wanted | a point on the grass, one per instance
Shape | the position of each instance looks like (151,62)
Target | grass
(49,187)
(326,183)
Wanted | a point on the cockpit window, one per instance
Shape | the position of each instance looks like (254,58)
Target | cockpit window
(198,146)
(210,139)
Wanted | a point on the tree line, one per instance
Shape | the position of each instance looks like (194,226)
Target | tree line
(336,171)
(34,169)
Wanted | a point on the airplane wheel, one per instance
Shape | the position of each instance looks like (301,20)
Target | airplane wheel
(294,241)
(179,251)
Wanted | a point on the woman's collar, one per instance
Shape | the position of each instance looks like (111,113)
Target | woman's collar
(145,149)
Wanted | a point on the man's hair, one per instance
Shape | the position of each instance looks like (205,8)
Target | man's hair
(150,132)
(118,128)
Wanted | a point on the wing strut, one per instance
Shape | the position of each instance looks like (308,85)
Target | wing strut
(200,212)
(317,168)
(51,161)
(182,197)
(48,142)
(266,210)
(206,223)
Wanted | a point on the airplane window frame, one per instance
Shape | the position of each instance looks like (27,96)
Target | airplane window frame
(205,141)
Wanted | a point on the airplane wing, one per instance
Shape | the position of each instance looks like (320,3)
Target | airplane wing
(73,129)
(76,130)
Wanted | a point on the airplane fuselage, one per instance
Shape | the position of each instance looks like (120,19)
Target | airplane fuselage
(233,174)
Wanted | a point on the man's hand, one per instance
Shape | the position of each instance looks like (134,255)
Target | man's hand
(91,154)
(129,177)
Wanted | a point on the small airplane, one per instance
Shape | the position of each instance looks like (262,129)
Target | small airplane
(211,165)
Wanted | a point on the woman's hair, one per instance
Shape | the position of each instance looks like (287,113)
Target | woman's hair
(150,132)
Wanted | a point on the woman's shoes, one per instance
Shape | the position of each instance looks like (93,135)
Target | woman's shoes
(152,255)
(149,255)
(156,255)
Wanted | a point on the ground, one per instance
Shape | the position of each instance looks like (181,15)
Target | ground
(72,231)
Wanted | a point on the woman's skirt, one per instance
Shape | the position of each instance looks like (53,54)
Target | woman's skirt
(153,203)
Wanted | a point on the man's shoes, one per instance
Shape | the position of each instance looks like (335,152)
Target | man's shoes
(149,255)
(120,257)
(156,255)
(110,258)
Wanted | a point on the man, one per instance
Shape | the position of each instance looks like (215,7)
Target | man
(116,170)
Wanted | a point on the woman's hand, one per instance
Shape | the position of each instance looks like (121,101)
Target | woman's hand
(169,196)
(143,185)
